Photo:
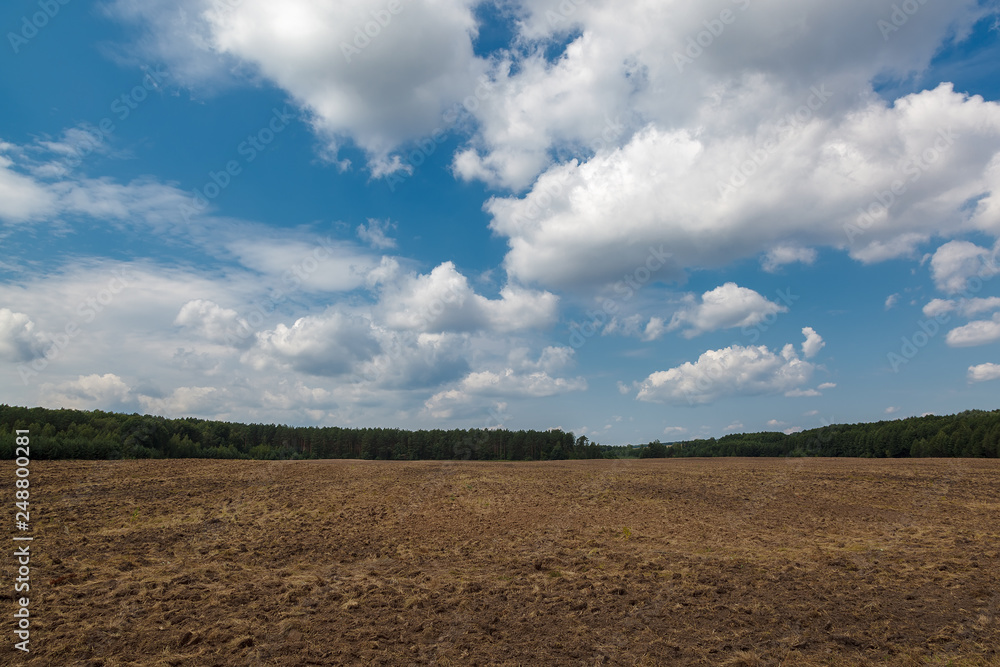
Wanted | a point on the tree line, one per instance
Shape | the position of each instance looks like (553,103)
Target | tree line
(76,434)
(970,434)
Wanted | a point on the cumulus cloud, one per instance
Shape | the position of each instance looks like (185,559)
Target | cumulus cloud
(977,332)
(443,300)
(938,307)
(19,341)
(724,307)
(731,371)
(416,360)
(627,62)
(378,90)
(813,343)
(957,262)
(328,345)
(984,372)
(663,188)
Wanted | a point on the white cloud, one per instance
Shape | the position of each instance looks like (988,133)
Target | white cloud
(978,332)
(812,344)
(328,345)
(810,393)
(220,347)
(21,197)
(891,410)
(468,395)
(938,307)
(374,233)
(731,371)
(891,301)
(956,262)
(593,221)
(19,341)
(967,307)
(379,90)
(624,64)
(655,328)
(443,300)
(781,255)
(107,392)
(188,401)
(552,359)
(210,321)
(413,361)
(977,305)
(984,372)
(724,307)
(319,265)
(37,184)
(803,393)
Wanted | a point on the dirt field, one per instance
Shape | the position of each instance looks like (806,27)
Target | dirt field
(667,562)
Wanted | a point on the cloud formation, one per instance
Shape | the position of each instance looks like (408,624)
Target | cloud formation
(732,371)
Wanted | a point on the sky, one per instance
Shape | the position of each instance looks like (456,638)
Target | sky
(632,220)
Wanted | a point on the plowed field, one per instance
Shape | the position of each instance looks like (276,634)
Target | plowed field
(686,562)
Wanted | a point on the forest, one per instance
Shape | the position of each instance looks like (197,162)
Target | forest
(76,434)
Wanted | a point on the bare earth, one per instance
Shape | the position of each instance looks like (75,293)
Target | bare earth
(667,562)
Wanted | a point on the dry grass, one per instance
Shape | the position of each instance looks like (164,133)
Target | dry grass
(694,562)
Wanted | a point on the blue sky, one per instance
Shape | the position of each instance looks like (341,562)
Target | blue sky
(630,220)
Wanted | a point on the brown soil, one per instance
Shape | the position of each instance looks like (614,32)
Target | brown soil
(688,562)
